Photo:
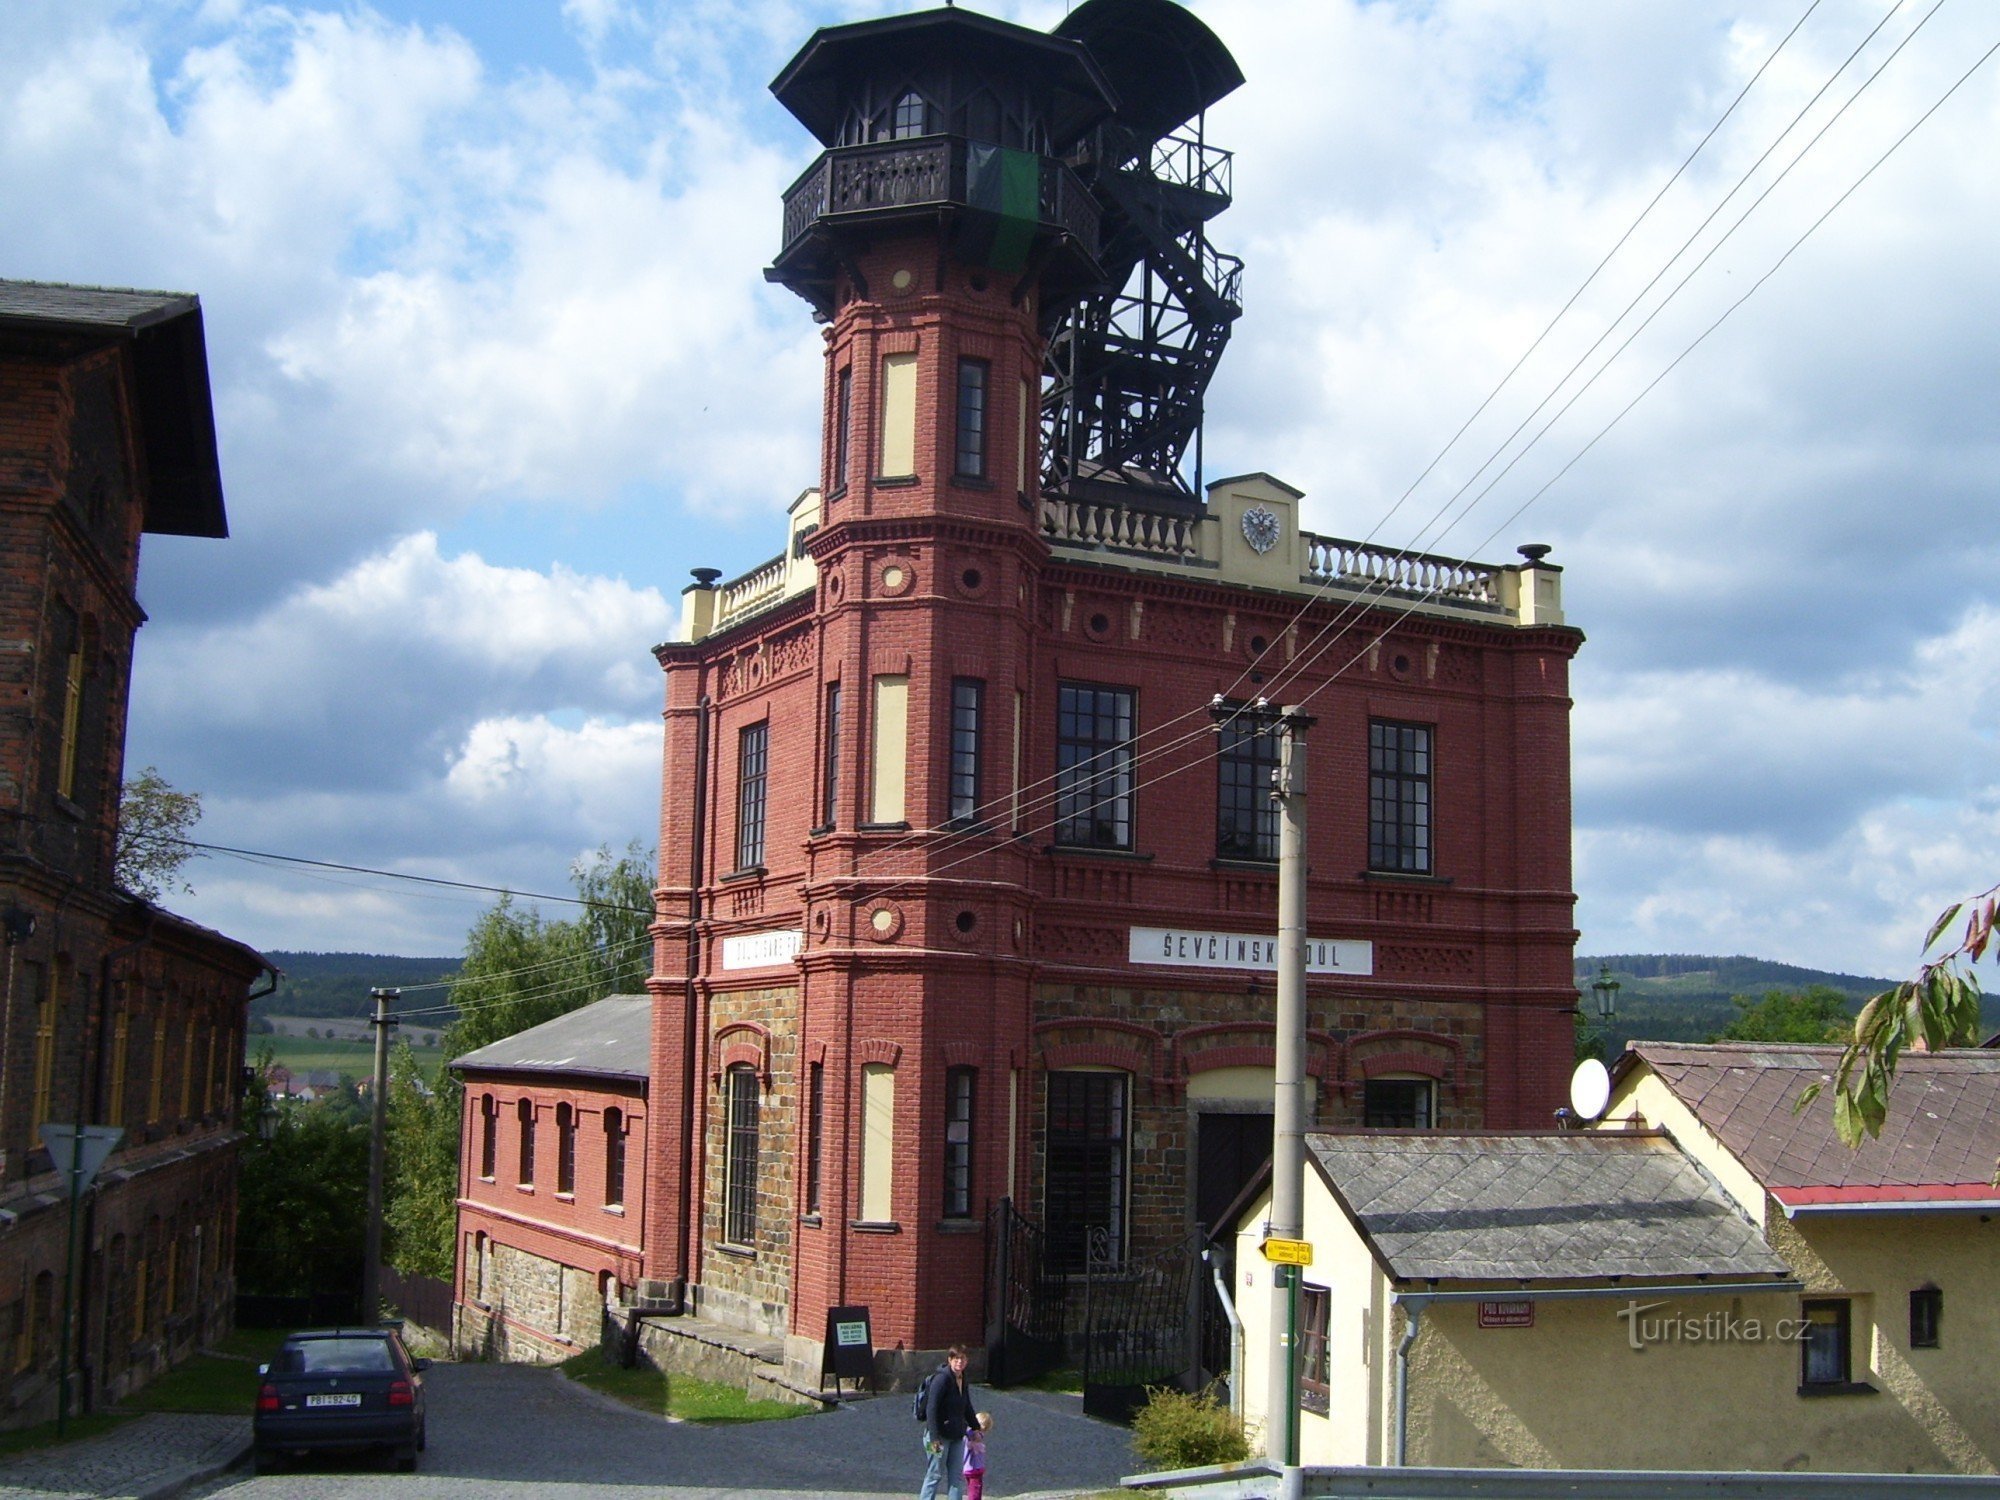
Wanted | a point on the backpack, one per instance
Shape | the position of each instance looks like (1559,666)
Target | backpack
(921,1407)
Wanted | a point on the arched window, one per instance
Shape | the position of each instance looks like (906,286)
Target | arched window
(525,1113)
(489,1130)
(739,1167)
(614,1157)
(911,117)
(565,1149)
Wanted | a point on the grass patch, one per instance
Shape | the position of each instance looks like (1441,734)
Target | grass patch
(680,1396)
(204,1382)
(28,1439)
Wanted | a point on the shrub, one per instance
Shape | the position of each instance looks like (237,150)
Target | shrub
(1175,1430)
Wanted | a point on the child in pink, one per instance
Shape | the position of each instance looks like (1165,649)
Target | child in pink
(975,1455)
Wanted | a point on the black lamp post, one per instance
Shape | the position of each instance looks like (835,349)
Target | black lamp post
(1606,990)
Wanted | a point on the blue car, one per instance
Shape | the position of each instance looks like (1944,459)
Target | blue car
(338,1388)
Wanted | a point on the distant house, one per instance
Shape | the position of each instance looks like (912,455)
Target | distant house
(1896,1241)
(552,1173)
(1538,1301)
(119,1015)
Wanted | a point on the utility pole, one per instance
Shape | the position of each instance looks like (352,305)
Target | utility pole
(371,1270)
(1288,1122)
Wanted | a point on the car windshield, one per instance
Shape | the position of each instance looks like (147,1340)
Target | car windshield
(318,1356)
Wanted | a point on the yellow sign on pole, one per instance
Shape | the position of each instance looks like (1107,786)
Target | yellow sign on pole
(1288,1252)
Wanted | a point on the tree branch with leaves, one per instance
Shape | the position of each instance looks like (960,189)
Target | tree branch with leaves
(154,821)
(1936,1008)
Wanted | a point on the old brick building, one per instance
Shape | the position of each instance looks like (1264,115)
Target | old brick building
(117,1013)
(966,891)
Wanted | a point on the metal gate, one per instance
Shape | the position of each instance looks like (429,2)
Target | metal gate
(1027,1305)
(1141,1325)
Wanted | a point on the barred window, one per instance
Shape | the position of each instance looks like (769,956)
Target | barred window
(1399,797)
(1398,1104)
(752,765)
(739,1168)
(830,768)
(1094,766)
(1084,1185)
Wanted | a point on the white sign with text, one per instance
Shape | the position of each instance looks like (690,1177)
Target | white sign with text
(1189,948)
(761,950)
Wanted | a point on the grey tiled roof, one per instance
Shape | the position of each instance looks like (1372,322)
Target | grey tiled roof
(1576,1204)
(1943,1126)
(612,1038)
(93,306)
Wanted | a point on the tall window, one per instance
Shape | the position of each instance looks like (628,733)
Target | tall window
(70,632)
(739,1164)
(815,1132)
(121,1047)
(1398,1104)
(753,752)
(958,1143)
(1315,1305)
(45,1047)
(843,424)
(1926,1313)
(489,1131)
(910,117)
(878,1143)
(1825,1353)
(524,1113)
(968,700)
(830,770)
(614,1157)
(565,1149)
(1084,1187)
(1094,766)
(971,463)
(1399,797)
(1246,819)
(159,1069)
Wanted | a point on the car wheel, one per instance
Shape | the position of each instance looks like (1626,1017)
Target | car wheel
(406,1460)
(423,1436)
(263,1461)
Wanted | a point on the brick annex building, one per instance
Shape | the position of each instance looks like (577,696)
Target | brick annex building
(965,893)
(117,1013)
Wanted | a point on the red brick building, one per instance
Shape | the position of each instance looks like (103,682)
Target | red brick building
(552,1162)
(966,894)
(117,1014)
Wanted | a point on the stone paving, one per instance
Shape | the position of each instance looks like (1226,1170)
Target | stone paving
(148,1458)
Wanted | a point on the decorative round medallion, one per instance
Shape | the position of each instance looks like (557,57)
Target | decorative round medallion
(885,922)
(896,578)
(1260,528)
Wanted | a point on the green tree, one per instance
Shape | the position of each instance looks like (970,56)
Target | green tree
(1937,1007)
(1819,1013)
(302,1202)
(154,822)
(520,970)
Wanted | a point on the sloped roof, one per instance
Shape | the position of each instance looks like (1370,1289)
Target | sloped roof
(1569,1205)
(1940,1142)
(611,1038)
(170,371)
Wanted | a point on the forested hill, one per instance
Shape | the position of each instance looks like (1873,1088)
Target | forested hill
(337,984)
(1687,997)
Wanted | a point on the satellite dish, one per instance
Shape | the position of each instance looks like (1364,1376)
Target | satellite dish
(1589,1089)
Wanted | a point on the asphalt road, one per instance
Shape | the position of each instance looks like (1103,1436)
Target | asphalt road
(495,1428)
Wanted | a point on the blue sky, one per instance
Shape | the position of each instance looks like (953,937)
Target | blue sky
(495,366)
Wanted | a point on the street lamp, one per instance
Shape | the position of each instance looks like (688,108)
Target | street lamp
(1606,990)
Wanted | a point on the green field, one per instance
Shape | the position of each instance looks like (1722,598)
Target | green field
(303,1053)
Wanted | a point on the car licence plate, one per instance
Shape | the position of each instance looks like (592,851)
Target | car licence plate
(349,1398)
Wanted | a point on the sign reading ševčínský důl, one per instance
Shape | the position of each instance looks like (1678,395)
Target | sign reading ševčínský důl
(1192,948)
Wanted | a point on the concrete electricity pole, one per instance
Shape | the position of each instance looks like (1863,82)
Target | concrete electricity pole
(1288,1122)
(371,1270)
